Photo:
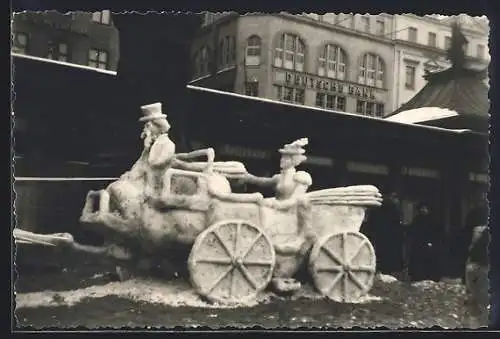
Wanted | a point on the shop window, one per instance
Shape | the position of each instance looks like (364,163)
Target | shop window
(290,94)
(410,77)
(102,17)
(20,43)
(371,70)
(380,110)
(330,101)
(252,89)
(369,108)
(332,62)
(98,58)
(58,51)
(253,51)
(290,52)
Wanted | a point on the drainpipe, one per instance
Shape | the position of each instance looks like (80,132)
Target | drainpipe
(398,77)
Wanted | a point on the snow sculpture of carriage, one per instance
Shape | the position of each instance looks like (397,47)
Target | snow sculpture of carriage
(236,248)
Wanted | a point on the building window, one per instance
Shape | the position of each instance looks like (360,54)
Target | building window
(431,41)
(290,94)
(233,49)
(380,110)
(332,62)
(289,53)
(330,101)
(380,27)
(410,77)
(202,61)
(370,108)
(371,70)
(253,51)
(20,43)
(58,52)
(227,51)
(481,51)
(252,89)
(412,34)
(466,48)
(102,17)
(365,24)
(98,58)
(447,42)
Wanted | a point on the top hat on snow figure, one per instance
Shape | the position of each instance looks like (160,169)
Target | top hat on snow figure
(152,112)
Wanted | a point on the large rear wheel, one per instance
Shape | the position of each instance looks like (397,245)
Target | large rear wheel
(231,262)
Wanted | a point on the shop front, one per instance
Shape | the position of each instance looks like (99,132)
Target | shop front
(339,95)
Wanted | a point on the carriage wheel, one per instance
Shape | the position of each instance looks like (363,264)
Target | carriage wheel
(343,266)
(231,261)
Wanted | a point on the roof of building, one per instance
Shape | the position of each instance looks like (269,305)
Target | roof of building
(460,90)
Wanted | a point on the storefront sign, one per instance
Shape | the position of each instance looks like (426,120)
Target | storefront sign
(479,177)
(363,167)
(420,172)
(320,161)
(244,152)
(328,85)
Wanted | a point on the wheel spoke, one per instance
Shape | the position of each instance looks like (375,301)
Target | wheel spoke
(357,281)
(221,261)
(235,250)
(329,269)
(258,262)
(219,279)
(357,252)
(344,286)
(254,241)
(344,248)
(332,255)
(335,281)
(224,246)
(362,269)
(247,276)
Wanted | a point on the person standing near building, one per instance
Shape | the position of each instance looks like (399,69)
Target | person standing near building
(425,246)
(386,233)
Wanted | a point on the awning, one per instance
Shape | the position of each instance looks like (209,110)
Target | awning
(423,114)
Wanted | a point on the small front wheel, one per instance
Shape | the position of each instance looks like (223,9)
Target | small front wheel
(343,266)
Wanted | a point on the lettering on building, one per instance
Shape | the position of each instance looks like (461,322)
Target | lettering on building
(244,152)
(479,177)
(327,85)
(363,167)
(420,172)
(319,161)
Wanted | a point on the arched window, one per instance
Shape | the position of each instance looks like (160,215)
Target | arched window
(371,70)
(289,52)
(332,62)
(253,51)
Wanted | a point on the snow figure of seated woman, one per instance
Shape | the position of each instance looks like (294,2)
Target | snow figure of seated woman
(290,187)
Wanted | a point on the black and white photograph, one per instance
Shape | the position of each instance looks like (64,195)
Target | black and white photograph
(282,170)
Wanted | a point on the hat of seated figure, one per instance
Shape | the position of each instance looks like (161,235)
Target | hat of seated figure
(295,147)
(152,112)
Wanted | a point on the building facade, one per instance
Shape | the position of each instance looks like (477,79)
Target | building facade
(421,45)
(88,39)
(365,64)
(297,59)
